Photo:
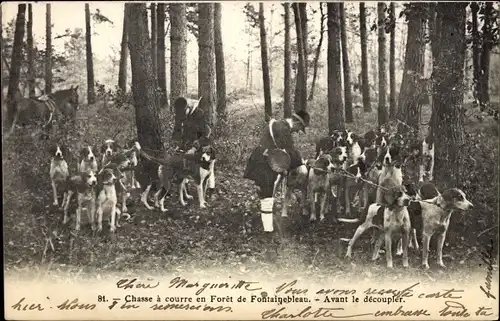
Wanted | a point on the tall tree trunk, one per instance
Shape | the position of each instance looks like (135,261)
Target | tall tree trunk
(146,97)
(48,49)
(318,51)
(335,105)
(476,48)
(305,33)
(487,45)
(178,60)
(435,36)
(220,68)
(300,102)
(206,62)
(29,40)
(122,72)
(345,66)
(15,65)
(382,71)
(287,90)
(412,85)
(154,37)
(1,52)
(268,109)
(448,92)
(367,107)
(392,62)
(160,53)
(90,62)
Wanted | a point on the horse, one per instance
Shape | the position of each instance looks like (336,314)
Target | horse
(41,110)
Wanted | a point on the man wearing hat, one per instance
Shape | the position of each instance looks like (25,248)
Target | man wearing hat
(275,155)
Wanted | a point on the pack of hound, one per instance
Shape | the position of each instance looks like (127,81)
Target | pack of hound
(390,170)
(105,177)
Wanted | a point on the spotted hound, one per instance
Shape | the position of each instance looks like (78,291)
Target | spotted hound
(88,159)
(59,171)
(83,185)
(109,148)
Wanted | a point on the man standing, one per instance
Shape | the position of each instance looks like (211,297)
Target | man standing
(277,136)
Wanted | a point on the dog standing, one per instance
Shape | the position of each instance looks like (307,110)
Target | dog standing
(434,216)
(392,219)
(88,159)
(107,198)
(59,171)
(319,184)
(391,174)
(83,186)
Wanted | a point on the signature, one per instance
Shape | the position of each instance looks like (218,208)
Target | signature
(488,258)
(308,312)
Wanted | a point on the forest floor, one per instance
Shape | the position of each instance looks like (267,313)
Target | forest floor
(224,237)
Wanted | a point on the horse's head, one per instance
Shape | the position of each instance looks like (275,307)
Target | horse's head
(73,97)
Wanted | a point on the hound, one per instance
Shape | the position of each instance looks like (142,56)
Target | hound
(108,149)
(83,185)
(392,219)
(58,169)
(107,197)
(427,166)
(88,159)
(434,216)
(319,184)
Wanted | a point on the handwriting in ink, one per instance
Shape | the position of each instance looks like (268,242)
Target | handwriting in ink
(132,283)
(401,312)
(189,307)
(177,282)
(282,313)
(446,294)
(288,289)
(75,304)
(483,311)
(454,309)
(488,258)
(27,306)
(405,293)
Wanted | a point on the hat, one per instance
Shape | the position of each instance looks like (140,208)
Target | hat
(279,160)
(303,117)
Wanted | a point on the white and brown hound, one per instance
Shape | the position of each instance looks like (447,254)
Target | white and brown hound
(59,171)
(391,174)
(433,215)
(319,184)
(109,148)
(427,166)
(107,198)
(83,186)
(392,219)
(88,159)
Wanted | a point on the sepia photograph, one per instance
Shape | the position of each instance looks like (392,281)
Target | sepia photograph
(250,160)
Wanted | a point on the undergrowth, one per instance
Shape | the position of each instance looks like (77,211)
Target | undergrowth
(227,234)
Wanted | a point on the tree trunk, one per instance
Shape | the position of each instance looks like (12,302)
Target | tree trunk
(305,34)
(335,105)
(367,107)
(300,102)
(48,49)
(345,66)
(220,68)
(318,51)
(412,85)
(488,42)
(448,92)
(29,43)
(122,73)
(476,48)
(90,62)
(392,62)
(206,62)
(1,52)
(15,65)
(382,71)
(154,37)
(160,53)
(287,90)
(146,97)
(178,60)
(268,108)
(178,48)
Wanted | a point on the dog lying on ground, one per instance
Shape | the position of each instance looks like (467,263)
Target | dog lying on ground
(392,219)
(59,171)
(432,213)
(83,185)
